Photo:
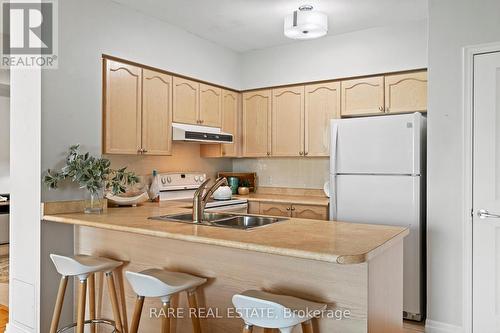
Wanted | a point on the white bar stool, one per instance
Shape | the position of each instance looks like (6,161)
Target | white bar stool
(84,267)
(270,311)
(163,284)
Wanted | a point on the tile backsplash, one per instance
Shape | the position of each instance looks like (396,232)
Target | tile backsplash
(286,172)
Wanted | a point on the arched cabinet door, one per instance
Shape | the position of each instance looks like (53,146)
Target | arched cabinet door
(185,101)
(122,108)
(363,96)
(210,105)
(230,122)
(406,92)
(156,113)
(257,123)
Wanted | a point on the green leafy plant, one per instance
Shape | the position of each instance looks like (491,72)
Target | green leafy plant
(91,173)
(245,183)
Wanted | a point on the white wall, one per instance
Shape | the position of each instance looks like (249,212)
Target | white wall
(453,24)
(71,95)
(363,52)
(4,132)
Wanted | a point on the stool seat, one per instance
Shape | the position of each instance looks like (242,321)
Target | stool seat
(82,265)
(158,283)
(274,311)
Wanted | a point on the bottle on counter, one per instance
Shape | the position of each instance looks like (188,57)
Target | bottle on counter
(154,188)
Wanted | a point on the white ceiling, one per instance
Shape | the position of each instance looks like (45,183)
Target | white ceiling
(244,25)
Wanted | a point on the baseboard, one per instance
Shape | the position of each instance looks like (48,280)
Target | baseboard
(432,326)
(11,328)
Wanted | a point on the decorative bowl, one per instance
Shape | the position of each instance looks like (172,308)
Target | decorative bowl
(132,199)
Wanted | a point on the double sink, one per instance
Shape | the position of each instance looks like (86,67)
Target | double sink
(223,220)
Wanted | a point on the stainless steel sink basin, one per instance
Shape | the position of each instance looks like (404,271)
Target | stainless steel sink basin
(223,220)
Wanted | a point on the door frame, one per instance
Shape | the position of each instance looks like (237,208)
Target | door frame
(468,122)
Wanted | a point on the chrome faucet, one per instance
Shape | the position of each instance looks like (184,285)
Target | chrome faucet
(201,197)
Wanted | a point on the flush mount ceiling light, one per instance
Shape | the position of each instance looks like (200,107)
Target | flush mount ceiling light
(306,24)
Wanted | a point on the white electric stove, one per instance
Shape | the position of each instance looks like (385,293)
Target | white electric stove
(180,186)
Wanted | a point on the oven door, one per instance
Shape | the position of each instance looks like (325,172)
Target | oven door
(238,208)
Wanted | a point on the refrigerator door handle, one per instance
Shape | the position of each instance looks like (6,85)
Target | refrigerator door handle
(333,170)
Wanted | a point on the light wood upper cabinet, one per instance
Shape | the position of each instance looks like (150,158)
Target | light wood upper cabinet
(363,96)
(322,103)
(156,113)
(256,123)
(288,121)
(210,105)
(230,120)
(185,101)
(406,92)
(122,108)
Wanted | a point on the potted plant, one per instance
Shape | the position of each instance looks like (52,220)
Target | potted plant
(244,188)
(93,174)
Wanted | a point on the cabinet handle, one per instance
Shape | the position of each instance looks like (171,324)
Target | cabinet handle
(139,150)
(306,153)
(268,153)
(381,108)
(293,208)
(288,208)
(301,153)
(144,151)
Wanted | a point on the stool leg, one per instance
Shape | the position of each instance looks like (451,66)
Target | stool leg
(307,327)
(80,319)
(165,321)
(247,328)
(59,304)
(193,311)
(269,330)
(91,287)
(136,318)
(114,301)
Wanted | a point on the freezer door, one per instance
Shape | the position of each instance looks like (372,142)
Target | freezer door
(389,200)
(377,145)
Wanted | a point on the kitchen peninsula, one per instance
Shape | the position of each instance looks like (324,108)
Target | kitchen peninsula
(356,268)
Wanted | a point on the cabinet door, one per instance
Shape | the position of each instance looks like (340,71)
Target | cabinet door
(230,122)
(310,212)
(288,121)
(185,101)
(275,209)
(122,108)
(322,103)
(256,123)
(156,113)
(210,105)
(363,96)
(406,92)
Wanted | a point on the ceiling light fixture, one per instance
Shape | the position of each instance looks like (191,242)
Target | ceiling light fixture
(306,23)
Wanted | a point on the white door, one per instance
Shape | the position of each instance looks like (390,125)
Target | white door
(486,194)
(377,145)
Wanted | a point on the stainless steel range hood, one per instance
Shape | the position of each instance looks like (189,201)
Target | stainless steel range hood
(200,134)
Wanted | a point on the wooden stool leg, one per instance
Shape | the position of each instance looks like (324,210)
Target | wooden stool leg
(247,328)
(269,330)
(114,301)
(59,303)
(165,321)
(193,311)
(91,287)
(80,319)
(307,327)
(136,318)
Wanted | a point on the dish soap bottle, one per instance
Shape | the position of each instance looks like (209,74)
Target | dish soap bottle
(154,188)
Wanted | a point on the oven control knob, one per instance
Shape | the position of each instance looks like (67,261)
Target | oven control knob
(169,180)
(202,179)
(196,178)
(163,180)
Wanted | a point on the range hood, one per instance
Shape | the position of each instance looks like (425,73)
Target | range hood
(200,134)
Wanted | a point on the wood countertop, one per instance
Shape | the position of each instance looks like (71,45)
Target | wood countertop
(336,242)
(281,198)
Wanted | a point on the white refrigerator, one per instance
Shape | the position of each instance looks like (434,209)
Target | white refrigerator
(377,176)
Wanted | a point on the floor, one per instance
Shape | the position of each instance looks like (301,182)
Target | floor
(4,317)
(413,327)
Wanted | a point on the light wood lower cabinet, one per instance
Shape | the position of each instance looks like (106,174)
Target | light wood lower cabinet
(363,96)
(310,212)
(257,123)
(322,104)
(406,92)
(122,95)
(185,101)
(137,110)
(288,122)
(253,207)
(293,210)
(156,113)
